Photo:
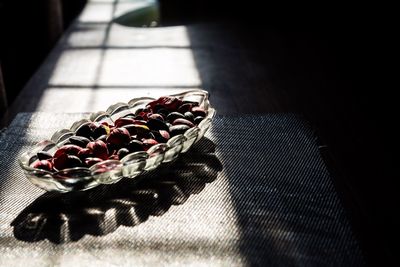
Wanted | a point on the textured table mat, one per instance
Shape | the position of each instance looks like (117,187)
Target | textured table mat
(254,192)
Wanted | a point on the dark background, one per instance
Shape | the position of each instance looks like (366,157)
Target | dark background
(28,30)
(333,63)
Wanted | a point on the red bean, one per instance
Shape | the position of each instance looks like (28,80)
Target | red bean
(119,136)
(198,111)
(114,157)
(178,129)
(135,145)
(122,153)
(198,119)
(91,161)
(144,115)
(185,107)
(85,131)
(42,155)
(164,134)
(67,161)
(167,102)
(99,149)
(175,115)
(43,165)
(68,149)
(184,122)
(141,131)
(79,140)
(189,116)
(123,121)
(100,130)
(161,136)
(147,143)
(156,125)
(85,153)
(156,116)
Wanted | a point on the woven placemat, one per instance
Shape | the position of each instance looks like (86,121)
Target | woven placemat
(254,191)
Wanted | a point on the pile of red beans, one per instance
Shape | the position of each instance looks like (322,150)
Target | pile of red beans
(95,142)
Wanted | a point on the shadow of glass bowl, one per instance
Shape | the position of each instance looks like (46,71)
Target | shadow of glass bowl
(152,15)
(63,218)
(147,16)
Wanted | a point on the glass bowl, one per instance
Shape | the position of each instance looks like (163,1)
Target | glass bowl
(111,171)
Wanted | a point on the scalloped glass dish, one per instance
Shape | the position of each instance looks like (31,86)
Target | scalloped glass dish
(111,171)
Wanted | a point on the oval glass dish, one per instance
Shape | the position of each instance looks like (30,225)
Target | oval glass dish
(111,170)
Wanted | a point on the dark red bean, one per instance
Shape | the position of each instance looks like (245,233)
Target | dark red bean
(189,116)
(175,115)
(93,125)
(73,161)
(156,108)
(112,149)
(123,121)
(156,116)
(79,141)
(141,131)
(164,134)
(129,115)
(161,136)
(67,161)
(138,111)
(122,153)
(193,103)
(114,157)
(119,136)
(183,121)
(91,161)
(185,107)
(151,136)
(68,149)
(197,111)
(147,143)
(178,129)
(102,138)
(131,129)
(99,149)
(43,165)
(140,122)
(198,119)
(156,125)
(144,115)
(85,131)
(85,153)
(67,143)
(139,118)
(167,102)
(60,162)
(134,146)
(164,112)
(100,130)
(42,155)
